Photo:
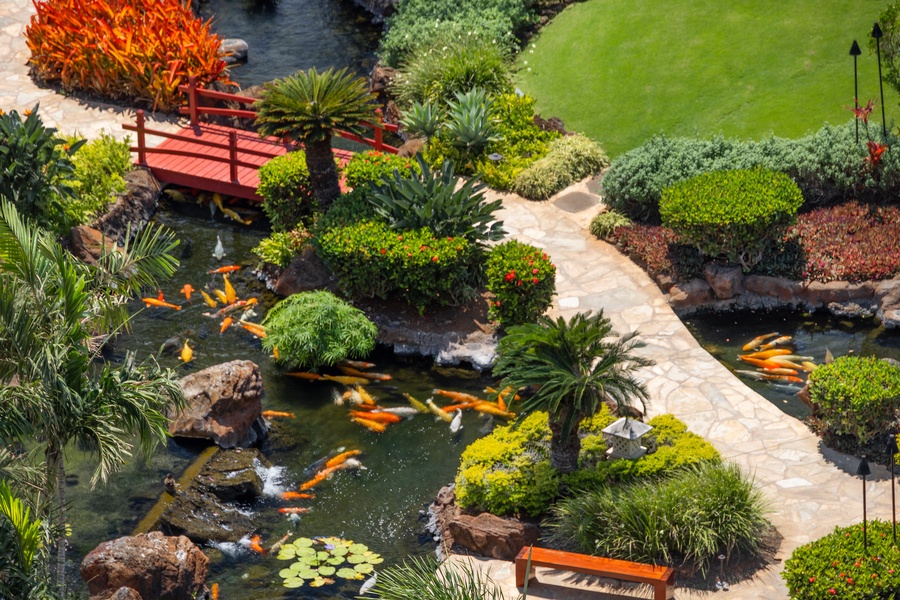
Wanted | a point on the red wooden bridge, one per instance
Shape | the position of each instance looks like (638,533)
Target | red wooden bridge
(222,159)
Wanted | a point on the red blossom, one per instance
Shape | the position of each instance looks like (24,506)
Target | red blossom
(534,280)
(534,271)
(434,259)
(383,251)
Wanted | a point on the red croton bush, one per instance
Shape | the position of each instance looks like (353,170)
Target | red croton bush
(137,50)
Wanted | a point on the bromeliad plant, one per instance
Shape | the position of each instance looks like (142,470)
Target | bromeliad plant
(318,560)
(139,50)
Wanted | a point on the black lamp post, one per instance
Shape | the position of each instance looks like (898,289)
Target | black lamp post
(892,450)
(863,469)
(854,52)
(877,34)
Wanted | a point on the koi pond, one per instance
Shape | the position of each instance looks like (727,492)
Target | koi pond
(379,506)
(812,334)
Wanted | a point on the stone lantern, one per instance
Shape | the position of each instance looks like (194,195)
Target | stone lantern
(624,438)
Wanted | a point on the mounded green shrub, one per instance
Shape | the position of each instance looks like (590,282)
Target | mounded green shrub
(837,565)
(373,167)
(688,518)
(604,224)
(100,166)
(349,209)
(569,159)
(281,247)
(315,329)
(523,281)
(285,189)
(370,259)
(858,396)
(736,214)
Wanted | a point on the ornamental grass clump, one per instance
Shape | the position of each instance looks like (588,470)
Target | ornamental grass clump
(569,159)
(733,214)
(840,566)
(523,281)
(135,50)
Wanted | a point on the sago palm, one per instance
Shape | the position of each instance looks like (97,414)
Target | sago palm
(308,106)
(572,367)
(50,307)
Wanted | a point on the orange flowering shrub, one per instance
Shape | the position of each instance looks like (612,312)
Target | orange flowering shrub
(136,50)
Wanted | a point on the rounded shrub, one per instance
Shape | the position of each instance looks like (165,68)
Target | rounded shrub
(838,565)
(735,214)
(523,281)
(605,223)
(858,396)
(569,159)
(348,209)
(285,189)
(373,167)
(280,248)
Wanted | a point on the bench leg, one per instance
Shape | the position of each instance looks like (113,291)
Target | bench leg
(521,568)
(663,591)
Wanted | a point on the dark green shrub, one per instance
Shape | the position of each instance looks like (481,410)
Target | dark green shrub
(857,395)
(569,159)
(281,247)
(605,224)
(285,189)
(314,329)
(373,167)
(523,281)
(370,259)
(348,209)
(736,214)
(838,566)
(431,199)
(687,519)
(36,170)
(100,166)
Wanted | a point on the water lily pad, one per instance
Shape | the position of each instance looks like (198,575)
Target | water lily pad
(326,571)
(355,559)
(317,582)
(375,560)
(364,568)
(358,548)
(322,556)
(294,582)
(340,551)
(287,573)
(285,555)
(308,574)
(303,542)
(335,560)
(347,573)
(305,551)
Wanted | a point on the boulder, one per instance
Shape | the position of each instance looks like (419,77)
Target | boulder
(380,79)
(726,280)
(819,294)
(233,476)
(853,310)
(411,147)
(134,208)
(233,51)
(224,405)
(689,295)
(153,565)
(780,288)
(87,243)
(493,536)
(200,517)
(890,318)
(306,272)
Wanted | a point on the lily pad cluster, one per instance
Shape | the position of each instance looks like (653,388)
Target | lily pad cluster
(318,560)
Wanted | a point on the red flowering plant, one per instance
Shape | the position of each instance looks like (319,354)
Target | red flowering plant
(523,281)
(375,167)
(875,149)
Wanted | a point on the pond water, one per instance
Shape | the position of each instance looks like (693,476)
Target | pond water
(288,35)
(723,335)
(380,506)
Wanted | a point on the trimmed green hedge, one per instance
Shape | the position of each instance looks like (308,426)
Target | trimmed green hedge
(285,190)
(738,214)
(523,281)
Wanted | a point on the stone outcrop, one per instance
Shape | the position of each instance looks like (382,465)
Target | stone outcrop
(134,208)
(233,476)
(154,566)
(233,51)
(87,244)
(306,273)
(224,405)
(725,280)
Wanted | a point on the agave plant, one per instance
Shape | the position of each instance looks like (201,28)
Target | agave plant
(432,200)
(424,118)
(469,126)
(317,560)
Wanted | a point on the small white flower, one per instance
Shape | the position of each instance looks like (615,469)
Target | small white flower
(531,52)
(526,62)
(533,46)
(529,68)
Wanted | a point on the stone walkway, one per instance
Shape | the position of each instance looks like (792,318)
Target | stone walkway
(811,489)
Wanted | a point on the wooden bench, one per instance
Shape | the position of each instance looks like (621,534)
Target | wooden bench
(661,578)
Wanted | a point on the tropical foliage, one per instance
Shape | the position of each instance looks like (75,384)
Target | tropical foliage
(572,367)
(523,281)
(604,224)
(569,159)
(284,185)
(280,248)
(318,560)
(136,50)
(315,329)
(373,167)
(100,166)
(21,548)
(423,578)
(308,106)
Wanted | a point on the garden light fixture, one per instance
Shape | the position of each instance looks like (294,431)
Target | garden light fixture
(892,450)
(864,470)
(877,34)
(854,52)
(495,157)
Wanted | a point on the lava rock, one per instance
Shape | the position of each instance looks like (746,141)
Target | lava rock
(306,272)
(233,476)
(493,536)
(133,209)
(726,281)
(202,518)
(87,244)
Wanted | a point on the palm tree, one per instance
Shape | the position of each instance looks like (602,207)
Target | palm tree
(572,367)
(308,106)
(50,307)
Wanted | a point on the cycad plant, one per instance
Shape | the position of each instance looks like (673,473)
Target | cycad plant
(571,367)
(308,106)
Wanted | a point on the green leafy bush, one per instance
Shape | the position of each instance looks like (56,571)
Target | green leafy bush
(442,70)
(281,247)
(838,566)
(348,209)
(373,167)
(431,199)
(523,281)
(736,214)
(706,509)
(604,224)
(858,396)
(99,169)
(315,329)
(569,159)
(370,259)
(285,189)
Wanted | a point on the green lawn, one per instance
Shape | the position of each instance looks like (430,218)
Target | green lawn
(623,70)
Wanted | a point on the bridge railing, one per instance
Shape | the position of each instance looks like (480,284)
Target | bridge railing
(195,110)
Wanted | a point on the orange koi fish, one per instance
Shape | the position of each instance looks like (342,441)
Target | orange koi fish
(223,270)
(809,366)
(220,296)
(369,424)
(293,510)
(377,376)
(319,478)
(766,354)
(275,354)
(207,299)
(226,323)
(276,414)
(256,546)
(340,458)
(304,375)
(214,591)
(492,409)
(366,407)
(230,294)
(357,373)
(295,496)
(257,330)
(159,295)
(788,378)
(454,407)
(346,379)
(159,303)
(762,364)
(356,364)
(277,545)
(366,396)
(187,290)
(233,307)
(780,371)
(457,396)
(776,342)
(380,417)
(757,341)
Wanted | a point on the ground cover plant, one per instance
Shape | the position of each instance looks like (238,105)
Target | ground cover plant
(838,565)
(748,90)
(135,50)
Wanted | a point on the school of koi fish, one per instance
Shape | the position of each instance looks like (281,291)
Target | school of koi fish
(773,361)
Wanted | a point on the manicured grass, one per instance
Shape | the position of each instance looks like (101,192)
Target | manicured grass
(621,71)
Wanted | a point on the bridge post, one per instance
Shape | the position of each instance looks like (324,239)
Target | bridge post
(192,99)
(141,142)
(232,156)
(379,131)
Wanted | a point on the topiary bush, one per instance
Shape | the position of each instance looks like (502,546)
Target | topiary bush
(736,214)
(136,50)
(523,281)
(281,247)
(349,209)
(316,329)
(569,159)
(857,396)
(374,167)
(100,166)
(285,189)
(605,224)
(838,566)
